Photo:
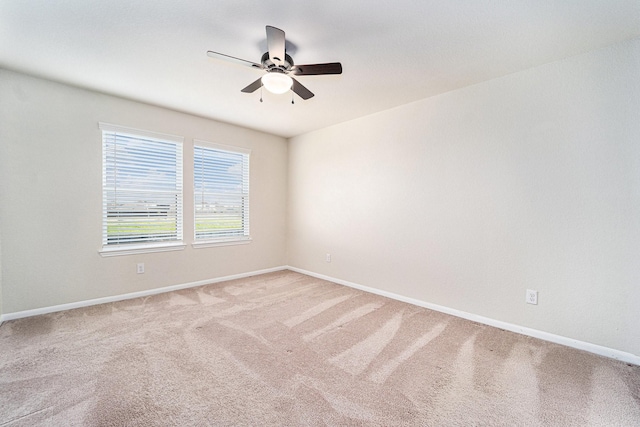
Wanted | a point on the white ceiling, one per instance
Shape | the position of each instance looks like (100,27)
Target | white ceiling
(392,53)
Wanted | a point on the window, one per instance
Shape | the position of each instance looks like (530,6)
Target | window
(221,194)
(141,191)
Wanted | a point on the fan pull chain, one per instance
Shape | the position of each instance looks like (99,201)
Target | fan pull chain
(260,93)
(292,98)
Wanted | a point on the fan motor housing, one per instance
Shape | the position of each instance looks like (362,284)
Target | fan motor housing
(270,66)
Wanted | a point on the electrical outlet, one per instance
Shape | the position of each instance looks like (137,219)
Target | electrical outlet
(532,297)
(140,268)
(327,257)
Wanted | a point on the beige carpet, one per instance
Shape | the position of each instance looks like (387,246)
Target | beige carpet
(288,349)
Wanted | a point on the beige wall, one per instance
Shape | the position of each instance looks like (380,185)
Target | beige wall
(1,311)
(463,200)
(50,197)
(469,198)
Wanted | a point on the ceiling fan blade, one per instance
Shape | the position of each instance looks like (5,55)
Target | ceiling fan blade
(218,55)
(275,44)
(300,90)
(317,69)
(253,86)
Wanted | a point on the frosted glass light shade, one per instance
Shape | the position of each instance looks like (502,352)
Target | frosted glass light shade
(277,82)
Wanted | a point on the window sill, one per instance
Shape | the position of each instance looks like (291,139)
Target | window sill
(214,243)
(140,249)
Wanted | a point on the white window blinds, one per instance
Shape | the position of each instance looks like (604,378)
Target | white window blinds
(221,192)
(142,187)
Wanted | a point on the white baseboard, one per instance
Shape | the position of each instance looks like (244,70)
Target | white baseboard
(546,336)
(80,304)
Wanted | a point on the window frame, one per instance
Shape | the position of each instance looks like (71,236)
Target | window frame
(115,249)
(228,240)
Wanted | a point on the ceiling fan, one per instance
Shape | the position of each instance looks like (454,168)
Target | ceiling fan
(278,65)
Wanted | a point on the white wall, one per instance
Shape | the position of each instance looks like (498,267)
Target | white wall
(469,198)
(50,197)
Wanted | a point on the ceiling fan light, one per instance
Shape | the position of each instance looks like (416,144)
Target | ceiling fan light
(277,83)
